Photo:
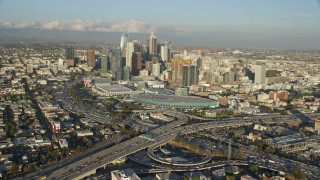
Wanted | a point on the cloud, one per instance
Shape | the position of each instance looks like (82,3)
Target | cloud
(131,26)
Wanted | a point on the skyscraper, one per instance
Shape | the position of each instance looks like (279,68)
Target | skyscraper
(69,53)
(136,63)
(126,73)
(91,57)
(200,64)
(116,64)
(190,75)
(165,51)
(156,69)
(177,67)
(260,73)
(214,64)
(228,77)
(104,64)
(130,50)
(144,51)
(148,66)
(152,44)
(124,41)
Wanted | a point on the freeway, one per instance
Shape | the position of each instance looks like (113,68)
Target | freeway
(67,102)
(160,135)
(100,159)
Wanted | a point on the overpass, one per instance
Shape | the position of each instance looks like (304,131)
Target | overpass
(151,154)
(162,134)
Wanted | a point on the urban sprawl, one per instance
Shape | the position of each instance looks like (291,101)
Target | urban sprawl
(153,110)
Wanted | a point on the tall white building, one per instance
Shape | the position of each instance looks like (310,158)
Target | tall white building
(124,41)
(130,50)
(260,73)
(164,51)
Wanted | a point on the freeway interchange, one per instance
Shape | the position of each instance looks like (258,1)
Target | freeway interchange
(161,135)
(88,164)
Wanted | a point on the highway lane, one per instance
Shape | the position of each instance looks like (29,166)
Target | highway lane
(164,133)
(161,134)
(108,155)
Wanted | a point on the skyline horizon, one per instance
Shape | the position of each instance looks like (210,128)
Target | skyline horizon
(287,24)
(10,36)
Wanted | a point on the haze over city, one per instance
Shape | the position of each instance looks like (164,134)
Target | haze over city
(286,24)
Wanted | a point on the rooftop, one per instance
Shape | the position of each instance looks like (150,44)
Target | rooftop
(173,99)
(116,88)
(126,174)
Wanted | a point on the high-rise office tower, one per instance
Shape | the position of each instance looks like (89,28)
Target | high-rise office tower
(70,53)
(91,58)
(260,73)
(200,64)
(116,64)
(190,75)
(156,69)
(214,64)
(228,77)
(144,52)
(124,41)
(177,67)
(104,63)
(126,73)
(152,44)
(130,50)
(136,63)
(148,66)
(133,46)
(137,46)
(164,51)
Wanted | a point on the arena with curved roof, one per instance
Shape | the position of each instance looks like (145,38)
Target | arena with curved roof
(175,101)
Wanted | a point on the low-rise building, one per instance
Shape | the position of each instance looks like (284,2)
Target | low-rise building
(289,143)
(126,174)
(84,133)
(260,127)
(63,143)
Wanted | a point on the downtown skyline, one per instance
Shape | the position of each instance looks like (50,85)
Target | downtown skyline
(249,24)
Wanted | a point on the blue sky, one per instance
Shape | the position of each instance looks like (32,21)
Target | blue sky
(255,19)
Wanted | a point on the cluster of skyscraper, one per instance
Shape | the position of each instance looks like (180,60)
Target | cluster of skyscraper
(131,57)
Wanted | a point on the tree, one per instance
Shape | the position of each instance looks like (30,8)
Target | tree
(32,167)
(298,173)
(14,169)
(270,150)
(254,168)
(230,177)
(259,144)
(52,153)
(89,143)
